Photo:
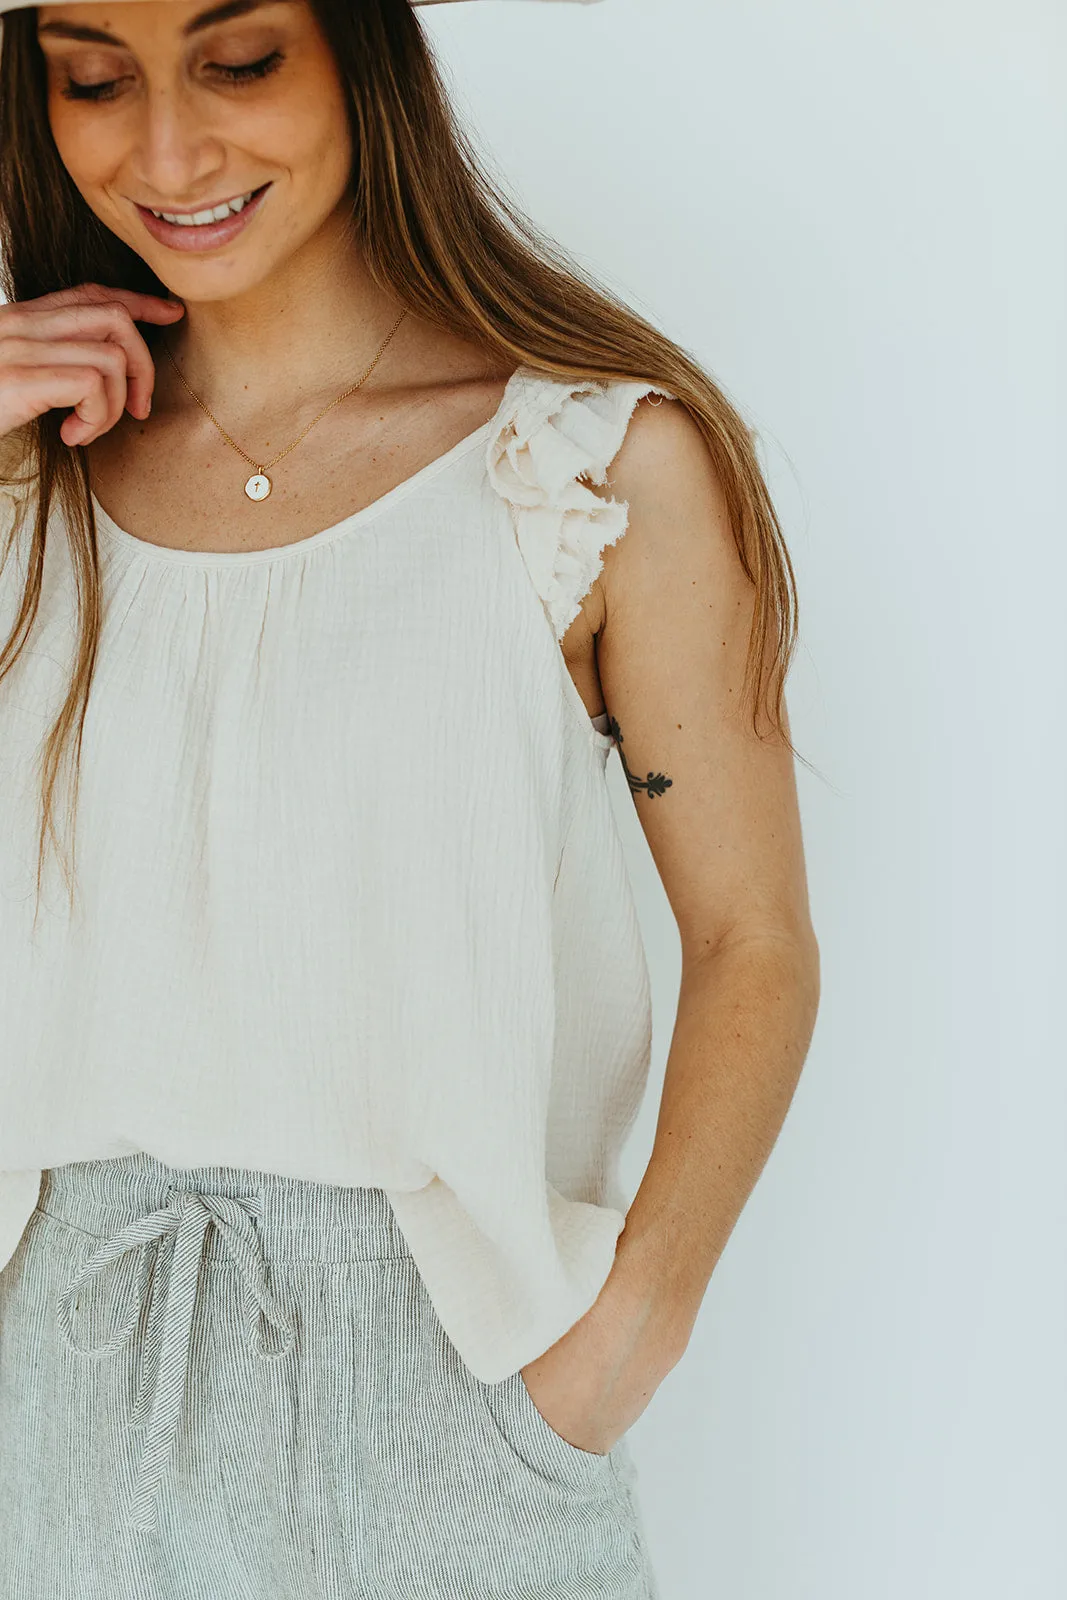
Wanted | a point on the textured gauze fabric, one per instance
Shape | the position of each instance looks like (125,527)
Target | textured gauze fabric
(352,903)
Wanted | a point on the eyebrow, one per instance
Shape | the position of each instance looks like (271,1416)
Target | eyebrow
(203,19)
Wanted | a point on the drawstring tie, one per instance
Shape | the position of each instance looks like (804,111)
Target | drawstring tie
(183,1222)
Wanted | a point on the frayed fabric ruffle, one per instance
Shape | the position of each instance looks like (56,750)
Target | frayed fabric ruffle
(554,442)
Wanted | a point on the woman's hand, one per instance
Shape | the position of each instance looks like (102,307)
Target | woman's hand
(594,1382)
(78,347)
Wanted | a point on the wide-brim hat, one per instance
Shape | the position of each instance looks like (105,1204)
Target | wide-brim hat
(22,5)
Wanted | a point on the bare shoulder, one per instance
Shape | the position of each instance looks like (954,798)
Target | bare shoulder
(662,434)
(679,540)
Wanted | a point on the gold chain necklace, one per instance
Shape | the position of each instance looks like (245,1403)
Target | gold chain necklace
(258,486)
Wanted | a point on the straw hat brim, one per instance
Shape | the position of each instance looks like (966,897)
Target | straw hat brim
(19,5)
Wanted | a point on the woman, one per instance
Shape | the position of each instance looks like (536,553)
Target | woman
(317,1274)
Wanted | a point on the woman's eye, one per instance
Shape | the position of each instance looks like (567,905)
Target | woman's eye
(91,91)
(254,69)
(239,74)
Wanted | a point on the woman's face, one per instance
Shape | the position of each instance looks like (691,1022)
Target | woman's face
(174,106)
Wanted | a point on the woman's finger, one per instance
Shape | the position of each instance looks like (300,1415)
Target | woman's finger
(27,392)
(108,323)
(142,307)
(109,359)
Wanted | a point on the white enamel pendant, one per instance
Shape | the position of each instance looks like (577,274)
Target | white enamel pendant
(258,486)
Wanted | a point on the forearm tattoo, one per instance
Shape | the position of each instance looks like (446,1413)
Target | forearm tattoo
(655,783)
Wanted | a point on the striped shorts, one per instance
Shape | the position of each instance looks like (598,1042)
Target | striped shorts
(218,1384)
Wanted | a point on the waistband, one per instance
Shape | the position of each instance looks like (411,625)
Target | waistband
(297,1219)
(163,1222)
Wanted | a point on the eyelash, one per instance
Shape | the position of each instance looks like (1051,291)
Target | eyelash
(235,75)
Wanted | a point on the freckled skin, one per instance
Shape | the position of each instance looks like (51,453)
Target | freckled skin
(655,783)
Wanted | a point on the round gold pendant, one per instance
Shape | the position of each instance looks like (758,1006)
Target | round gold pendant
(258,486)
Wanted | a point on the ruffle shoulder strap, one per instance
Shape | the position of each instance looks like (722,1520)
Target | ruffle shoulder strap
(554,439)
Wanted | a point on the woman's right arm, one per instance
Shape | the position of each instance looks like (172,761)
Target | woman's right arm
(78,348)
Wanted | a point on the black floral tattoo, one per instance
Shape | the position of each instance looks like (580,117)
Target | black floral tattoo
(654,784)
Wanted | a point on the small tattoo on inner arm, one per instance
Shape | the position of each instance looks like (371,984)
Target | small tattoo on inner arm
(654,784)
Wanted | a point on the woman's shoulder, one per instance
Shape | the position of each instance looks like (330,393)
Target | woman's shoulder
(548,457)
(593,409)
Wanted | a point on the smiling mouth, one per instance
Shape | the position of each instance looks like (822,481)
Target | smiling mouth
(199,219)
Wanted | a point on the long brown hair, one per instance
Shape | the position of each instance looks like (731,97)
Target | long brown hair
(442,238)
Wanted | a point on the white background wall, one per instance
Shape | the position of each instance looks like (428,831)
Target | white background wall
(852,212)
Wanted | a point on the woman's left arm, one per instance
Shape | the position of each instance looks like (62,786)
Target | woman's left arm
(675,610)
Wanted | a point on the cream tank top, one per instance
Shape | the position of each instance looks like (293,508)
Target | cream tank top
(353,904)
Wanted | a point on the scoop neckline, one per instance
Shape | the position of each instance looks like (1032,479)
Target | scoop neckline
(351,523)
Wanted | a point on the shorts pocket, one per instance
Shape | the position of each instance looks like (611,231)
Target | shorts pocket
(539,1420)
(529,1437)
(47,1221)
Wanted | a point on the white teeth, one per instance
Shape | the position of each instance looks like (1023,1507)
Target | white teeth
(198,218)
